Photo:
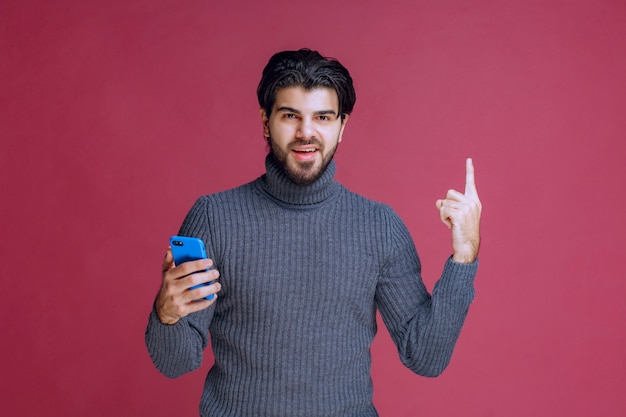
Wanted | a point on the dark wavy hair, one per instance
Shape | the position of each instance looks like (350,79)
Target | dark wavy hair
(308,69)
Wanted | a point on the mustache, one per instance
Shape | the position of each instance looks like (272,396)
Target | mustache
(304,142)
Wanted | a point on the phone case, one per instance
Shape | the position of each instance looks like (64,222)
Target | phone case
(187,249)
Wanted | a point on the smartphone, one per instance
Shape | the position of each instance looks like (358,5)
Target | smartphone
(187,249)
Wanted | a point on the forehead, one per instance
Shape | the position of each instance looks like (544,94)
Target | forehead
(299,98)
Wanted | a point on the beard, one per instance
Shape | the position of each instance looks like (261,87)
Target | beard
(306,172)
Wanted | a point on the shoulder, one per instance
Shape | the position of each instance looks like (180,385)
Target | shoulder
(212,210)
(367,206)
(378,222)
(376,216)
(232,195)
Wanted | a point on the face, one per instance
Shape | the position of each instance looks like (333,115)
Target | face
(304,130)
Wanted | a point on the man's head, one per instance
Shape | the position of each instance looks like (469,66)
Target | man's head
(305,101)
(307,69)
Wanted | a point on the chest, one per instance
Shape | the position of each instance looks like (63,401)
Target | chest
(303,260)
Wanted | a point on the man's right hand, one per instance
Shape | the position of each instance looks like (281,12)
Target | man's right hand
(175,300)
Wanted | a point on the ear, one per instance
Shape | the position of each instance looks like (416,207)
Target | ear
(344,122)
(265,120)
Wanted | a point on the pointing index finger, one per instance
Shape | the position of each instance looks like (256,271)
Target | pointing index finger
(470,184)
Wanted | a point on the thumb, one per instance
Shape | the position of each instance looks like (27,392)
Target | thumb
(168,260)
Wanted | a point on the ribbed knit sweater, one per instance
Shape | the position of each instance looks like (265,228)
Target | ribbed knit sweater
(303,271)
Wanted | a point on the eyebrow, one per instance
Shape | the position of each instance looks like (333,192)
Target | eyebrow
(296,111)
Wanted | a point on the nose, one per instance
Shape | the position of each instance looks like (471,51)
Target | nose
(306,129)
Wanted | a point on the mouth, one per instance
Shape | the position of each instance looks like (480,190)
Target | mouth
(305,153)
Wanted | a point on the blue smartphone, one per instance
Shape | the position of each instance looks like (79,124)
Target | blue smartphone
(187,249)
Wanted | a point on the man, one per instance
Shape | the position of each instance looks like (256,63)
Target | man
(304,264)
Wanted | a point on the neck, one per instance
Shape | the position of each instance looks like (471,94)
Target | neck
(279,186)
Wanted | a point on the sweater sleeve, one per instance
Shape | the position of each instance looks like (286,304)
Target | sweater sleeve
(178,349)
(424,328)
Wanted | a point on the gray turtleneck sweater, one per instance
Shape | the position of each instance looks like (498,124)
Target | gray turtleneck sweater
(303,271)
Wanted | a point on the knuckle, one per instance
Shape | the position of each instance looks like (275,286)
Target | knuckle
(169,289)
(172,292)
(169,275)
(194,279)
(180,311)
(186,268)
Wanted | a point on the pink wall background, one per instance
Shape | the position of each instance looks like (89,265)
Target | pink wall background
(116,115)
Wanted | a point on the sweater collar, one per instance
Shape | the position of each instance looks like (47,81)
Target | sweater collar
(276,183)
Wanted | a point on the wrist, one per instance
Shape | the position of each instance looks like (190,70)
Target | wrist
(167,320)
(164,318)
(463,258)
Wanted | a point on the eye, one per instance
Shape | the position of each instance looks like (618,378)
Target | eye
(326,117)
